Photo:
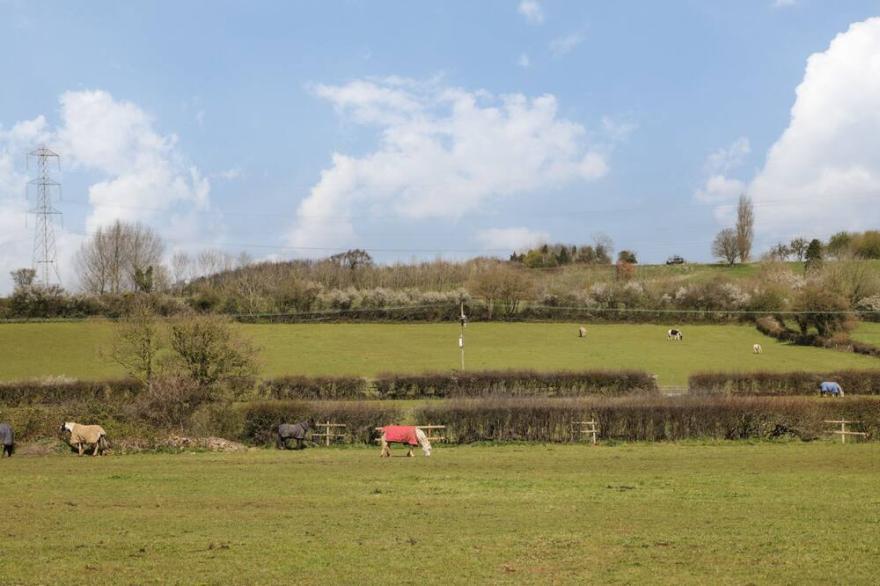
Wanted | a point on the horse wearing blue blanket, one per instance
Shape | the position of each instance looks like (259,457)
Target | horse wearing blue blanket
(830,388)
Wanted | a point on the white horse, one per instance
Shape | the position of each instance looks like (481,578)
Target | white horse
(407,435)
(674,335)
(582,332)
(82,436)
(756,349)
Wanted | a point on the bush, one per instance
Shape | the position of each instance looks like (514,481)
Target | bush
(646,418)
(360,417)
(55,392)
(302,387)
(854,382)
(515,383)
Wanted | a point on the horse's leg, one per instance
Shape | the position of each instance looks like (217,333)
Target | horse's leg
(97,445)
(409,453)
(80,448)
(385,453)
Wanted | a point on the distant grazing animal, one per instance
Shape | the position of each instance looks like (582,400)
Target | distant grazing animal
(756,348)
(293,431)
(674,335)
(830,388)
(582,332)
(7,437)
(82,436)
(407,435)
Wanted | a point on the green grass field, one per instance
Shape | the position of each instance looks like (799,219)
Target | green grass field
(73,349)
(781,513)
(868,332)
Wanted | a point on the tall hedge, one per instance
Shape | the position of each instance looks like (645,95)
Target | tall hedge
(35,392)
(303,387)
(854,382)
(515,383)
(646,418)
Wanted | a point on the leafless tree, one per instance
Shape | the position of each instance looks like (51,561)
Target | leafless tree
(109,261)
(798,247)
(23,278)
(725,246)
(745,227)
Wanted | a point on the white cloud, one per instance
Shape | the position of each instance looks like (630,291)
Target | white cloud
(783,3)
(532,11)
(564,45)
(524,61)
(231,174)
(511,239)
(719,188)
(443,151)
(823,173)
(146,174)
(730,157)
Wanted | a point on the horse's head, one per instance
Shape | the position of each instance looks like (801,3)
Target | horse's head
(67,426)
(423,441)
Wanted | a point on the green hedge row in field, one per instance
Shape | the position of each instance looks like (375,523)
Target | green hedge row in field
(515,383)
(646,418)
(63,391)
(854,382)
(386,386)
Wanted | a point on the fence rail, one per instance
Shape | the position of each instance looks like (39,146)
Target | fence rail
(329,435)
(842,432)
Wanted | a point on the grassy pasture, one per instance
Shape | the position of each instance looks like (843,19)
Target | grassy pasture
(666,513)
(73,349)
(868,332)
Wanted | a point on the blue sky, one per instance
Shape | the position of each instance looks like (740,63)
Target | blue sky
(458,127)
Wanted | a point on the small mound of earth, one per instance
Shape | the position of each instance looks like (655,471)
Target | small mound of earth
(214,444)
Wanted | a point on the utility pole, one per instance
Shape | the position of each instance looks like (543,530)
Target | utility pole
(44,188)
(462,320)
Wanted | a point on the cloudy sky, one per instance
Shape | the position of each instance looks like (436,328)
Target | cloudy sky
(454,128)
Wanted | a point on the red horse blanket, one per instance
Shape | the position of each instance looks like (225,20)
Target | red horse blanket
(401,434)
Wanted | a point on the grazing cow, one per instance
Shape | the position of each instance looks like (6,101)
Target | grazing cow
(674,335)
(407,435)
(830,388)
(756,349)
(582,332)
(7,437)
(82,436)
(293,431)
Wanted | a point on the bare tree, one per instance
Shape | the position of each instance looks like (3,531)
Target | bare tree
(23,278)
(725,246)
(798,247)
(500,283)
(745,227)
(111,259)
(181,268)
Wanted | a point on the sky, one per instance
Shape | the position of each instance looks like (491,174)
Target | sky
(419,130)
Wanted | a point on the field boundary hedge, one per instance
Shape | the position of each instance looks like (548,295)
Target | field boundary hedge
(55,392)
(647,418)
(854,382)
(515,383)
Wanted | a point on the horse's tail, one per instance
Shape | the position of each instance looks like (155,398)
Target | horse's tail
(103,442)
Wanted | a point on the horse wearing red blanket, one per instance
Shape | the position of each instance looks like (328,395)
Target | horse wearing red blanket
(407,435)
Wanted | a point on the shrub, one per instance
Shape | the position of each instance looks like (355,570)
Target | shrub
(52,391)
(854,382)
(514,383)
(361,417)
(645,418)
(302,387)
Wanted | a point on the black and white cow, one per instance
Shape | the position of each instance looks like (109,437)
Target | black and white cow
(674,335)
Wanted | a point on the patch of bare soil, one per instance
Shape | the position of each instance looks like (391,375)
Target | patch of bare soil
(214,444)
